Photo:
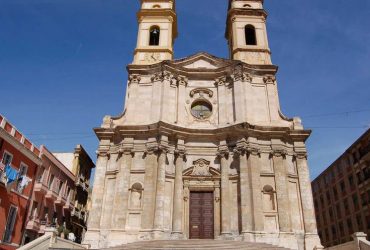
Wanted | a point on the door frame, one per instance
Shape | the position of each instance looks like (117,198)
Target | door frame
(203,185)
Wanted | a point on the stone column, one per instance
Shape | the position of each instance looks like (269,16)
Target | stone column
(282,192)
(254,166)
(225,193)
(177,227)
(98,190)
(147,217)
(306,193)
(160,193)
(181,86)
(122,190)
(245,194)
(217,210)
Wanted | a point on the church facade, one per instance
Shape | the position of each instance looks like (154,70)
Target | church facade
(202,150)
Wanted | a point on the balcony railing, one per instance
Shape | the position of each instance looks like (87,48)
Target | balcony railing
(33,224)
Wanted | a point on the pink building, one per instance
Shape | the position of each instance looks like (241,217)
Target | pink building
(52,198)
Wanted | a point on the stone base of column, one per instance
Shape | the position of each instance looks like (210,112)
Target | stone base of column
(226,236)
(158,234)
(248,237)
(177,236)
(146,234)
(312,241)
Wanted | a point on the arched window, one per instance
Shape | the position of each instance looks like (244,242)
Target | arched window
(156,6)
(250,35)
(154,36)
(247,6)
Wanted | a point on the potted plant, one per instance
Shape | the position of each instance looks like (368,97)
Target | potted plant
(66,233)
(61,229)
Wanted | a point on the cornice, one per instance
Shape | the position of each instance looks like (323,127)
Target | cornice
(19,146)
(245,129)
(223,68)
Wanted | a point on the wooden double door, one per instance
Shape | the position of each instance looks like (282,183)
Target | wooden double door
(201,221)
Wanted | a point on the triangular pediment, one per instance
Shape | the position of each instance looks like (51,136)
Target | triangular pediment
(202,60)
(200,64)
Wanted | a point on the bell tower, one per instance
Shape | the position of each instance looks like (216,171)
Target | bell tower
(246,32)
(157,31)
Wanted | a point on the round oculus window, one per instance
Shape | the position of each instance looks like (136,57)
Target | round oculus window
(201,109)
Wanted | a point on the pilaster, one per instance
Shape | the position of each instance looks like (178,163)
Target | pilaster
(182,82)
(98,190)
(161,182)
(178,208)
(282,192)
(223,153)
(150,176)
(120,208)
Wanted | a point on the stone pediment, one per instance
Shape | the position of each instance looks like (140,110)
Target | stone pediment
(200,64)
(202,61)
(201,168)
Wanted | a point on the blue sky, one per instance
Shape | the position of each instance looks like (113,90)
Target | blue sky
(62,65)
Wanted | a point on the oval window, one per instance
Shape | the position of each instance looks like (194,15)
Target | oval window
(201,109)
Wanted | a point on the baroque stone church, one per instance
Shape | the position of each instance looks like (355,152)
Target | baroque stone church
(202,149)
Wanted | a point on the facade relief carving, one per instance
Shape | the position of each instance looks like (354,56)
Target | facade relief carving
(201,168)
(134,79)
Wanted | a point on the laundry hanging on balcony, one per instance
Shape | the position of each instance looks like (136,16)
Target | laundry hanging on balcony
(11,175)
(23,182)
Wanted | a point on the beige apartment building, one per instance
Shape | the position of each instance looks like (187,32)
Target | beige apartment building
(342,195)
(202,149)
(81,165)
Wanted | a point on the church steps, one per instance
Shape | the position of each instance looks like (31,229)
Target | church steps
(196,244)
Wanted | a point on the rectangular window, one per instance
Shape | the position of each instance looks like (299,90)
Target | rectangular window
(359,221)
(34,209)
(335,192)
(346,208)
(51,181)
(339,214)
(341,229)
(355,201)
(349,225)
(331,215)
(351,182)
(359,178)
(41,175)
(60,187)
(12,215)
(6,160)
(342,187)
(364,199)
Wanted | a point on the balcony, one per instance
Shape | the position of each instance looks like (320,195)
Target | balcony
(61,201)
(40,188)
(80,182)
(69,206)
(51,195)
(33,224)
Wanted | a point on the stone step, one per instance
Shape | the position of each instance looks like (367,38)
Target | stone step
(195,245)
